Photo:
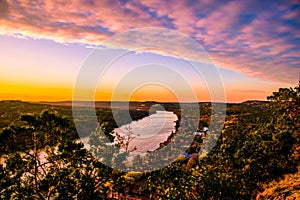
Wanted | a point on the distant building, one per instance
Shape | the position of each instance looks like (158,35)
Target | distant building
(199,134)
(202,133)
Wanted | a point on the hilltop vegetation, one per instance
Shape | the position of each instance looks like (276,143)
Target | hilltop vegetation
(258,150)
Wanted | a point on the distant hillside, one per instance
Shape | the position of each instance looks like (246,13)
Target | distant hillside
(10,110)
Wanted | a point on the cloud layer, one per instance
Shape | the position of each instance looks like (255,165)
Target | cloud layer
(258,38)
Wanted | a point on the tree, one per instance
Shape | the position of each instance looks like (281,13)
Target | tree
(123,141)
(259,147)
(75,173)
(67,171)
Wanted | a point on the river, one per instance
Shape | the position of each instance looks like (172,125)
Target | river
(149,132)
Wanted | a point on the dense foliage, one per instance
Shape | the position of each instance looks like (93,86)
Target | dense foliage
(255,148)
(251,151)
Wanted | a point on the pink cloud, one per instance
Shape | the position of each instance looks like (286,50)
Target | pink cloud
(261,47)
(70,21)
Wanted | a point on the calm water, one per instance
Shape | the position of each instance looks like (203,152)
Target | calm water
(150,131)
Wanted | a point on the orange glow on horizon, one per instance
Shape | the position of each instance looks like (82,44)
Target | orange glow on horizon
(33,92)
(30,92)
(153,93)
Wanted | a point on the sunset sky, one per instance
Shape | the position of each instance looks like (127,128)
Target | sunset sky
(255,46)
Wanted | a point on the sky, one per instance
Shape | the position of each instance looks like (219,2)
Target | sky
(253,44)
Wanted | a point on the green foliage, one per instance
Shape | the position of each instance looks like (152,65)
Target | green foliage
(254,149)
(54,166)
(75,174)
(50,128)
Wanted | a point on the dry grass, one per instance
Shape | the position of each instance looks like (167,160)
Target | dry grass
(286,188)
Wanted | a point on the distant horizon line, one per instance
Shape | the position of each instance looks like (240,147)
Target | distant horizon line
(123,101)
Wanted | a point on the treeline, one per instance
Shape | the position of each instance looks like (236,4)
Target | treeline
(252,151)
(15,133)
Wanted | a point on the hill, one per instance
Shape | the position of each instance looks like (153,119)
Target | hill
(258,150)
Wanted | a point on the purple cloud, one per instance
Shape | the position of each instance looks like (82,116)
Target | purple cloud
(257,38)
